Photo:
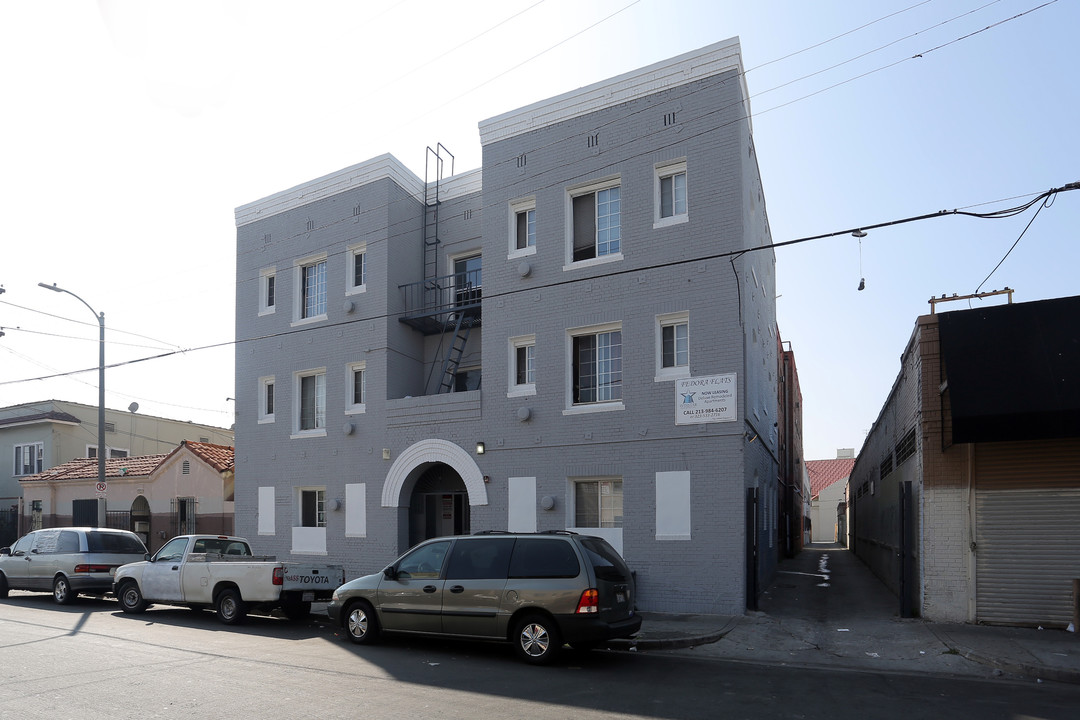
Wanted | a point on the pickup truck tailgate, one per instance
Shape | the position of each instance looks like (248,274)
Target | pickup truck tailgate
(321,578)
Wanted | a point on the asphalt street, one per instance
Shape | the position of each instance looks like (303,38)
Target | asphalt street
(92,661)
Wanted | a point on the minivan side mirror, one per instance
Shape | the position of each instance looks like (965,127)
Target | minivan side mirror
(390,573)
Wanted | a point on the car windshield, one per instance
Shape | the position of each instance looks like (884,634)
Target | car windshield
(114,542)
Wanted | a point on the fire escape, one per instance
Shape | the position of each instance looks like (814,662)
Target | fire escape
(445,305)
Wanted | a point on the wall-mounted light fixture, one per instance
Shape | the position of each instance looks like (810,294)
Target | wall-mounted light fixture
(480,448)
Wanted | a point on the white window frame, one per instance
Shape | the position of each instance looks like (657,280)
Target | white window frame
(38,458)
(92,448)
(298,285)
(678,371)
(266,415)
(320,497)
(298,377)
(572,501)
(592,187)
(670,170)
(351,406)
(356,252)
(516,389)
(523,205)
(265,277)
(599,406)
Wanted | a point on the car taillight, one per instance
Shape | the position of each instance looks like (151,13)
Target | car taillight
(589,601)
(93,568)
(279,576)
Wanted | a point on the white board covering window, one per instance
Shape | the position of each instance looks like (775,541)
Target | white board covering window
(521,515)
(266,511)
(673,505)
(356,510)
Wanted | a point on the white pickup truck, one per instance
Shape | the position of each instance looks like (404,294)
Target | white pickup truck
(219,572)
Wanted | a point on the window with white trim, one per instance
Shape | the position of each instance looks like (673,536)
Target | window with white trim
(356,267)
(598,502)
(311,405)
(672,346)
(356,402)
(110,452)
(28,458)
(522,227)
(312,507)
(669,190)
(267,290)
(310,274)
(522,366)
(596,365)
(266,399)
(594,221)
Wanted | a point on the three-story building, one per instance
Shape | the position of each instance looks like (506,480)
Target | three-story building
(579,335)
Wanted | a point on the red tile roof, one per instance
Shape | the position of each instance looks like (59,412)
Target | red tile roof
(824,473)
(219,457)
(87,468)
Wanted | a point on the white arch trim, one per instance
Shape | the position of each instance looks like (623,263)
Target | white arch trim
(433,450)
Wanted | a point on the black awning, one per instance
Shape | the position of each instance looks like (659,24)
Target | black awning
(1013,371)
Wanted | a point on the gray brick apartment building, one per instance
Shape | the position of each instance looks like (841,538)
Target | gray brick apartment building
(533,345)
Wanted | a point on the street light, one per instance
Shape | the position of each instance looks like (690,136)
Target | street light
(101,383)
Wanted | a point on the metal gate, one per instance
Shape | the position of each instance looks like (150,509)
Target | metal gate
(1026,555)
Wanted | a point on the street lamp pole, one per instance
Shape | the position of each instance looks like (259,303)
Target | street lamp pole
(101,381)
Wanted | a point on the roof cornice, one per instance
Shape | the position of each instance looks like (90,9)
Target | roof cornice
(723,56)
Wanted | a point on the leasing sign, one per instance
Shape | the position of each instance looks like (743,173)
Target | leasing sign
(706,399)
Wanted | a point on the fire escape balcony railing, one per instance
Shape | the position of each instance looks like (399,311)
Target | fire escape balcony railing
(430,305)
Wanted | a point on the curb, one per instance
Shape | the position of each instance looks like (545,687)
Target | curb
(1030,670)
(678,643)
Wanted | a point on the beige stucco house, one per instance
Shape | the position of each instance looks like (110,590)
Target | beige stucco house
(158,496)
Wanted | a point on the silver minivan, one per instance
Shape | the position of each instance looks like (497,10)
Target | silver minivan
(536,591)
(68,561)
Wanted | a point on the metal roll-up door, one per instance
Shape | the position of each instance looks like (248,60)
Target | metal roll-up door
(1026,555)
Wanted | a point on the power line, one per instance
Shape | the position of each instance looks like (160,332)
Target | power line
(1004,213)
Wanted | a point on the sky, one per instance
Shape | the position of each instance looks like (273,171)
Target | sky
(132,129)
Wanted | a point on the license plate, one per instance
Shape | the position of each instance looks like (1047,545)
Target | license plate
(308,597)
(620,597)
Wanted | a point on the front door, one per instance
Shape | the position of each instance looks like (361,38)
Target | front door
(412,602)
(161,576)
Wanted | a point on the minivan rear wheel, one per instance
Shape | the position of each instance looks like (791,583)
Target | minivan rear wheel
(62,592)
(537,639)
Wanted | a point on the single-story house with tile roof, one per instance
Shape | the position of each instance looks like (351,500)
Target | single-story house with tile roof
(828,488)
(158,496)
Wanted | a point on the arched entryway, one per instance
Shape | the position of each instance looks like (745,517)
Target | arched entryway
(438,504)
(140,519)
(435,483)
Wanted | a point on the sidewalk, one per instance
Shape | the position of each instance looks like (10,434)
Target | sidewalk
(826,609)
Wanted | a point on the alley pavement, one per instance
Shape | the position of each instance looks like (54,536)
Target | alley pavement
(826,609)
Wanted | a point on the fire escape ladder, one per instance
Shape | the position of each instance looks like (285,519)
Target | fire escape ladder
(462,323)
(433,175)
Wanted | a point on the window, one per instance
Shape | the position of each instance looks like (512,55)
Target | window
(356,282)
(424,562)
(110,452)
(313,290)
(595,230)
(28,458)
(311,410)
(266,399)
(467,280)
(672,346)
(522,366)
(480,559)
(467,379)
(598,503)
(523,227)
(312,507)
(670,194)
(310,284)
(267,291)
(357,399)
(596,366)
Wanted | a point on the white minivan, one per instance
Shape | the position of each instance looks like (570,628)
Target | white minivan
(68,561)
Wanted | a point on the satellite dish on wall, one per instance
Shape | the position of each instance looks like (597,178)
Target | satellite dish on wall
(133,407)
